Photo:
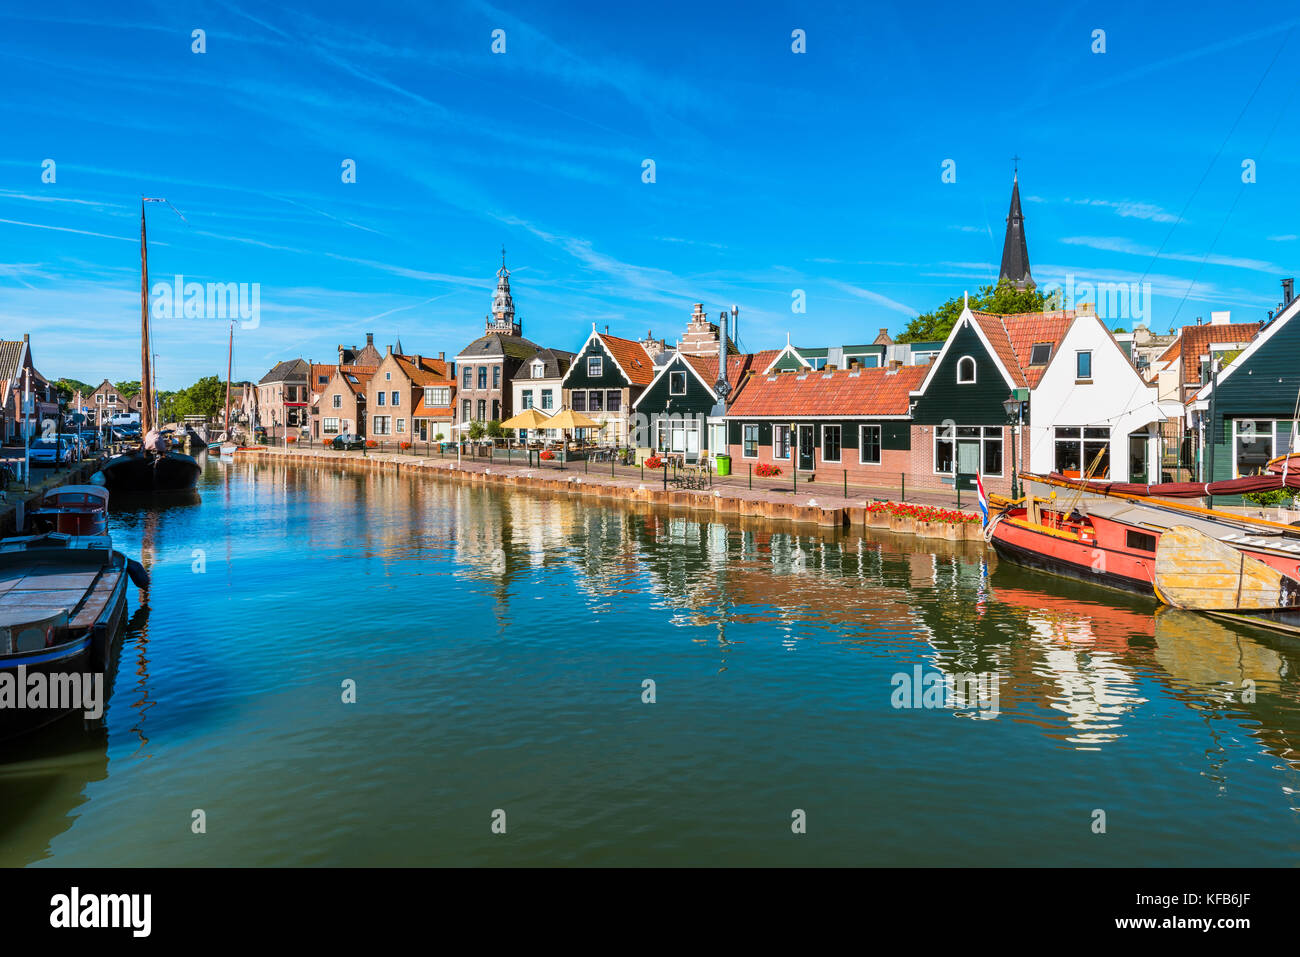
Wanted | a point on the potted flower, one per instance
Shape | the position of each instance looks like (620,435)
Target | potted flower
(547,455)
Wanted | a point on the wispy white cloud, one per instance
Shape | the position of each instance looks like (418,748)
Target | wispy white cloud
(875,297)
(1118,244)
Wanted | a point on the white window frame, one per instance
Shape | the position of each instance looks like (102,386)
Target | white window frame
(600,366)
(329,426)
(672,383)
(338,400)
(396,401)
(862,444)
(1273,453)
(380,397)
(385,429)
(960,362)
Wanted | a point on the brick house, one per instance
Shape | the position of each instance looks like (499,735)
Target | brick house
(410,399)
(284,397)
(826,423)
(17,372)
(342,402)
(106,401)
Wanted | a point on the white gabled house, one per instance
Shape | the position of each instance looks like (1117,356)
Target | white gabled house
(1089,398)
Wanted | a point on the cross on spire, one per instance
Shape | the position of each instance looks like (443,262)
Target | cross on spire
(1015,160)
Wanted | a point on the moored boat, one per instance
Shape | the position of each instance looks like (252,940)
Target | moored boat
(154,466)
(62,601)
(1114,541)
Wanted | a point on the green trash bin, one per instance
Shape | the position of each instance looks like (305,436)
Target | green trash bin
(724,464)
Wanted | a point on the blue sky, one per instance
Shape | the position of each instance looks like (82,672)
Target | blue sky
(775,171)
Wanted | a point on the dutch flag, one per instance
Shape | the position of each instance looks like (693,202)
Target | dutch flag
(984,499)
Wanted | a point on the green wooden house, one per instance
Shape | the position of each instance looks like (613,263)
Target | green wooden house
(1247,415)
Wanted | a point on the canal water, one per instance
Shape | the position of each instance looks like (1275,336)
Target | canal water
(504,647)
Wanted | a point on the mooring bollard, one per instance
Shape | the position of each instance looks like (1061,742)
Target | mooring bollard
(902,486)
(751,476)
(846,483)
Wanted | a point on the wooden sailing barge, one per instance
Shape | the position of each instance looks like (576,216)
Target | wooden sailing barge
(1187,556)
(152,467)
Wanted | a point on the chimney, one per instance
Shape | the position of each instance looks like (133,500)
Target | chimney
(722,347)
(390,348)
(1288,291)
(442,357)
(1198,320)
(1220,318)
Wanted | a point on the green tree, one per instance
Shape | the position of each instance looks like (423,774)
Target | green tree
(476,431)
(1002,299)
(67,388)
(127,390)
(494,430)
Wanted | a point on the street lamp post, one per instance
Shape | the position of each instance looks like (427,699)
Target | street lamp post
(1015,409)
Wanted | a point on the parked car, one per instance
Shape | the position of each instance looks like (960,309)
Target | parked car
(47,452)
(91,438)
(346,440)
(126,419)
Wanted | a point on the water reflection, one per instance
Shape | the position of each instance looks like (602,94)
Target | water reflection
(411,585)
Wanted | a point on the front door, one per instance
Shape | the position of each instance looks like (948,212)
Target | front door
(422,429)
(806,443)
(968,458)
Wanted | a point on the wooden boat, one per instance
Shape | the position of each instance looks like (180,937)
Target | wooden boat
(1114,541)
(62,601)
(153,467)
(1198,573)
(72,510)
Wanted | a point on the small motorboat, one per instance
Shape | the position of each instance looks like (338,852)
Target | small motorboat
(80,510)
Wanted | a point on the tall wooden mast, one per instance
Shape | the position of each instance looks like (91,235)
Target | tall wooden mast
(146,370)
(230,358)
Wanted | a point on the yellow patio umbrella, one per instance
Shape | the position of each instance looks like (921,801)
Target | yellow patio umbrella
(528,419)
(568,419)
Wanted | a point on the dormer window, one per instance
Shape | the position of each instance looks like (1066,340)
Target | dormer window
(595,365)
(965,370)
(1040,354)
(538,370)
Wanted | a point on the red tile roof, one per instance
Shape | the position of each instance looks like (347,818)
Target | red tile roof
(361,375)
(425,371)
(737,366)
(864,392)
(1014,336)
(634,360)
(1194,342)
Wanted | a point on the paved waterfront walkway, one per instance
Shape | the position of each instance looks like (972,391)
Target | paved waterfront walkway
(826,494)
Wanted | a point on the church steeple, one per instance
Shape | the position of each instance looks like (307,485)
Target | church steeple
(502,318)
(1015,254)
